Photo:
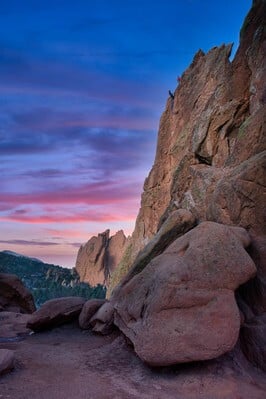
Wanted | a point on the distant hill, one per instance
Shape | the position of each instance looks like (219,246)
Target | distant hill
(47,281)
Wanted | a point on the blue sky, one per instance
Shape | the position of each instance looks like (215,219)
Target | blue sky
(82,88)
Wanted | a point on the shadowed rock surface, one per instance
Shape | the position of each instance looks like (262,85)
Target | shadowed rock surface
(14,296)
(177,224)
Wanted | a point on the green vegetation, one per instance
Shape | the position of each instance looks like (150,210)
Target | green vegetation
(242,128)
(121,269)
(47,281)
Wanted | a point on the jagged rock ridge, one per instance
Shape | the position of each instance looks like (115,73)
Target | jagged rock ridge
(214,124)
(98,258)
(210,160)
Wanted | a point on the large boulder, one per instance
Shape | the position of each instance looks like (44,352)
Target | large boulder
(7,359)
(56,312)
(181,307)
(14,296)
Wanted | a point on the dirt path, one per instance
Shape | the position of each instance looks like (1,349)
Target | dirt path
(66,363)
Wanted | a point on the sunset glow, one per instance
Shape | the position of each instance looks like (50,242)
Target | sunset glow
(82,88)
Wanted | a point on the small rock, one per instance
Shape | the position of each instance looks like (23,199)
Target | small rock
(102,321)
(88,310)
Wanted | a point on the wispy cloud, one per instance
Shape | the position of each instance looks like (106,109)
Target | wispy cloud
(29,243)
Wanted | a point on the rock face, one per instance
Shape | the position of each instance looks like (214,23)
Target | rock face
(14,296)
(98,258)
(181,307)
(210,130)
(56,312)
(210,160)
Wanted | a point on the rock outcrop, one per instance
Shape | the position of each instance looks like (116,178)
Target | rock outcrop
(210,130)
(210,160)
(181,307)
(14,296)
(98,258)
(56,312)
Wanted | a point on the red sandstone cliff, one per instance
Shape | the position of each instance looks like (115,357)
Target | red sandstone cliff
(98,258)
(211,142)
(210,160)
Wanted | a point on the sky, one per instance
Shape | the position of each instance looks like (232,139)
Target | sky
(82,86)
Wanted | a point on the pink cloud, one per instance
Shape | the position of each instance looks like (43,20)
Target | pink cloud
(101,193)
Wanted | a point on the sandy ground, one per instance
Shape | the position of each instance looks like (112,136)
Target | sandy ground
(68,363)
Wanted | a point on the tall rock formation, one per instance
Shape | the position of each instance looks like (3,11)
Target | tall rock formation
(98,258)
(210,160)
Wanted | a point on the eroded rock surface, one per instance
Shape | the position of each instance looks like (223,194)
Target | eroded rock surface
(56,312)
(210,130)
(210,160)
(14,296)
(181,307)
(98,258)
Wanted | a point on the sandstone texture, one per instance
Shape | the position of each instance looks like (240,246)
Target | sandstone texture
(181,307)
(210,135)
(98,258)
(6,361)
(210,160)
(14,296)
(88,310)
(56,312)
